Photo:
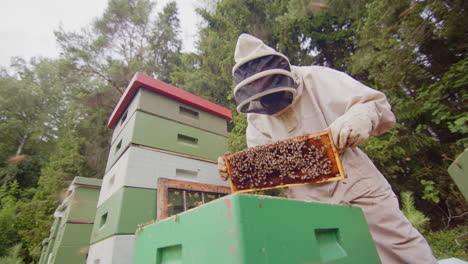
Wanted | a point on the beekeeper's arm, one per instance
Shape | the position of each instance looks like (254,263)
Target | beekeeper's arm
(358,111)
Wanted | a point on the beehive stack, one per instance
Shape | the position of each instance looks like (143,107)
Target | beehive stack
(71,230)
(301,160)
(160,131)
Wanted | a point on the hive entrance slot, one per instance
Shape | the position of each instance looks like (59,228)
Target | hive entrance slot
(187,140)
(188,112)
(117,148)
(186,173)
(124,117)
(103,220)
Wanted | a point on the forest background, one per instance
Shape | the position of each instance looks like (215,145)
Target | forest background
(53,112)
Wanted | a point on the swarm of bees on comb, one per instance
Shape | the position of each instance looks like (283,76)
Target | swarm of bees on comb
(305,159)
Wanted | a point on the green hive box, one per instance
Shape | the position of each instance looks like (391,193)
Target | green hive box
(82,205)
(163,106)
(152,131)
(123,212)
(73,223)
(71,241)
(245,229)
(48,243)
(458,170)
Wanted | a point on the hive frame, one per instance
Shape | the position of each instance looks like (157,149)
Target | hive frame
(165,184)
(331,150)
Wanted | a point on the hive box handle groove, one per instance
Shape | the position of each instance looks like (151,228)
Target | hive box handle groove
(328,241)
(169,255)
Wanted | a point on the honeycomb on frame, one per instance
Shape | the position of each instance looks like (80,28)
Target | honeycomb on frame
(301,160)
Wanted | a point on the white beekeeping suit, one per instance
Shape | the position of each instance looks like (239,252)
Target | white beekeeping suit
(284,101)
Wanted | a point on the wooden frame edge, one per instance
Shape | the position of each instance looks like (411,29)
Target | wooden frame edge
(165,184)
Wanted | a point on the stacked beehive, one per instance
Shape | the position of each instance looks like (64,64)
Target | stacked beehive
(159,132)
(70,233)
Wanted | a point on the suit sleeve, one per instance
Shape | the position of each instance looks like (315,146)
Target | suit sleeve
(337,92)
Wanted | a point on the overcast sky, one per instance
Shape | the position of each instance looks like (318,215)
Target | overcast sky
(27,26)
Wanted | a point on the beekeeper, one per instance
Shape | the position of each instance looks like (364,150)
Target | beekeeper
(284,101)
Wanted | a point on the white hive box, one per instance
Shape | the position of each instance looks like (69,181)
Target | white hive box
(112,250)
(141,167)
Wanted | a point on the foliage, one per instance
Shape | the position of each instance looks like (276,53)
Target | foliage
(410,51)
(13,256)
(444,243)
(417,218)
(126,39)
(28,112)
(237,138)
(8,199)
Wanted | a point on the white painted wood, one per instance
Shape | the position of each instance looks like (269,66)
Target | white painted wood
(112,250)
(141,167)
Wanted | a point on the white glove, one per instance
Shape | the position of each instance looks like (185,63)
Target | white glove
(353,128)
(222,169)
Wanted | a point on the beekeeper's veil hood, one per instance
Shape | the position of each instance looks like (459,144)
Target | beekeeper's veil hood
(264,83)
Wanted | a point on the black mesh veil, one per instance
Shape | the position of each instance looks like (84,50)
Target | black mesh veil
(267,94)
(260,64)
(276,90)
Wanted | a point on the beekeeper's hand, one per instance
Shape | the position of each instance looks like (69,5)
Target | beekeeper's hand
(354,127)
(222,169)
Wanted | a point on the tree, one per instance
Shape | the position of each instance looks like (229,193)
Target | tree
(8,198)
(414,52)
(13,256)
(124,40)
(417,218)
(35,216)
(29,111)
(320,33)
(166,42)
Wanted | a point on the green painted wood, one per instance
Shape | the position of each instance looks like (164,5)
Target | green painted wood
(71,230)
(48,243)
(123,212)
(165,107)
(70,255)
(152,131)
(74,234)
(71,239)
(82,204)
(245,229)
(458,170)
(86,181)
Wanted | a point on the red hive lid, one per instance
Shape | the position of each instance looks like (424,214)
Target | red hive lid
(140,80)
